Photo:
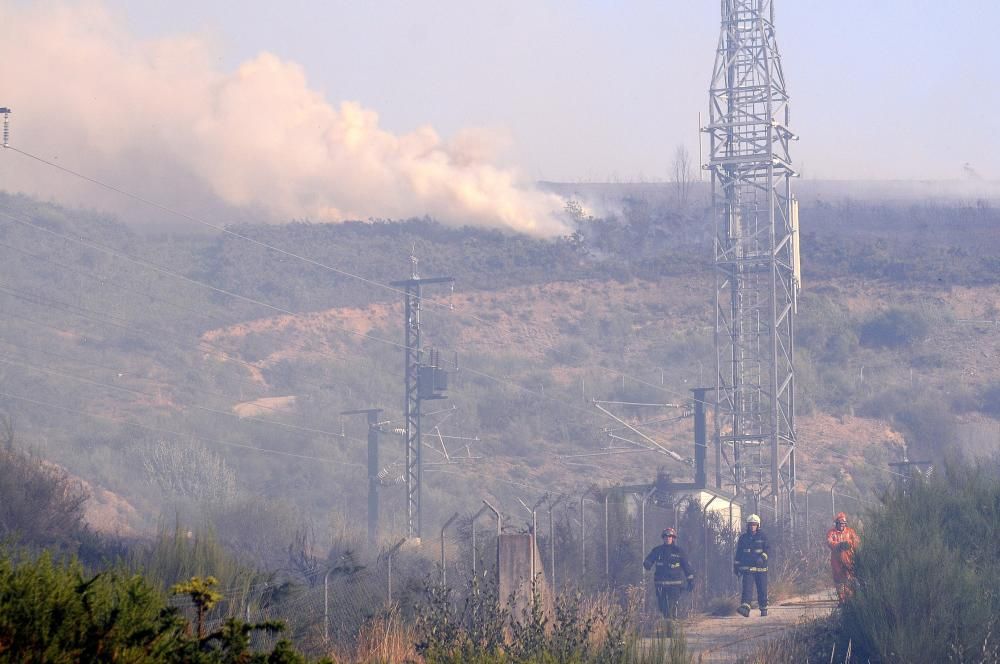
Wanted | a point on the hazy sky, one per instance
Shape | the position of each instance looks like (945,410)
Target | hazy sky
(334,110)
(591,89)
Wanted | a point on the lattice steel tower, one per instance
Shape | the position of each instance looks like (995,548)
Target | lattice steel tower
(423,381)
(756,260)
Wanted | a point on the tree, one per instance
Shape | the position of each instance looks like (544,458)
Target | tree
(683,175)
(55,612)
(40,504)
(202,594)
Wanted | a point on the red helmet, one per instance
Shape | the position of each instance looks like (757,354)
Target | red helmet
(840,518)
(668,532)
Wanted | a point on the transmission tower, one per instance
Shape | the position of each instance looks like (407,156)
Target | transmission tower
(423,381)
(756,259)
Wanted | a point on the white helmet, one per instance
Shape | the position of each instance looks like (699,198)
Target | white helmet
(753,518)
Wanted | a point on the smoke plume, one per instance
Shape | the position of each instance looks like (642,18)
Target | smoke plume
(160,118)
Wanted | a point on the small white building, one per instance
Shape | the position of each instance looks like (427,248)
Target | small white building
(727,507)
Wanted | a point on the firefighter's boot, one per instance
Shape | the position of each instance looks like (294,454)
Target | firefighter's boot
(744,610)
(763,612)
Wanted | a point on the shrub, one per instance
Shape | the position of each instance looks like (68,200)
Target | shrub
(40,505)
(894,328)
(824,327)
(927,423)
(487,630)
(55,612)
(189,469)
(177,554)
(814,641)
(928,573)
(990,399)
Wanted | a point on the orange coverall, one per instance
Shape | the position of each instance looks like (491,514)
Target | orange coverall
(842,558)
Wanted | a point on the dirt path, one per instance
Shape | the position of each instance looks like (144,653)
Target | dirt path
(725,639)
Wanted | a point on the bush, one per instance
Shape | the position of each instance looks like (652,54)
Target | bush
(824,327)
(928,572)
(54,612)
(487,630)
(176,554)
(40,505)
(188,469)
(894,328)
(926,422)
(990,399)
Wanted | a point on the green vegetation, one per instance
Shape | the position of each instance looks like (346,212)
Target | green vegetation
(55,612)
(928,572)
(927,585)
(489,630)
(123,385)
(895,327)
(110,342)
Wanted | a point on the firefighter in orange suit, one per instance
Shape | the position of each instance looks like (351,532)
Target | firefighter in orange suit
(843,542)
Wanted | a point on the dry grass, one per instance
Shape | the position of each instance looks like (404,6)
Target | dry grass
(814,641)
(606,611)
(721,607)
(386,639)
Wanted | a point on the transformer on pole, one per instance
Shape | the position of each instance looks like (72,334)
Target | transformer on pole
(373,469)
(423,381)
(756,255)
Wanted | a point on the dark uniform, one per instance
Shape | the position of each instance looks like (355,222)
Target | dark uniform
(751,564)
(673,574)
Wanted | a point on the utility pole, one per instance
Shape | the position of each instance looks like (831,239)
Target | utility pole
(373,434)
(756,256)
(422,381)
(904,471)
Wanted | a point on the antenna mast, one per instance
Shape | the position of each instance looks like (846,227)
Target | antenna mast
(756,224)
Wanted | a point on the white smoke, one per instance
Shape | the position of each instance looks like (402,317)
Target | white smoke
(160,117)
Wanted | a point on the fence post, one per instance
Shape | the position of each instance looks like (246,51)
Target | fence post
(704,522)
(326,607)
(607,544)
(552,542)
(389,555)
(444,573)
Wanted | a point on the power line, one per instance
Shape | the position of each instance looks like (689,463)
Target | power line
(66,307)
(290,254)
(206,409)
(177,275)
(110,281)
(163,270)
(169,272)
(178,434)
(118,370)
(91,315)
(281,424)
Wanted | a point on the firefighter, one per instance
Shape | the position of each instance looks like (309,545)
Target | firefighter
(750,563)
(673,573)
(843,542)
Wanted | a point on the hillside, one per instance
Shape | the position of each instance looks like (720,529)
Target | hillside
(122,366)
